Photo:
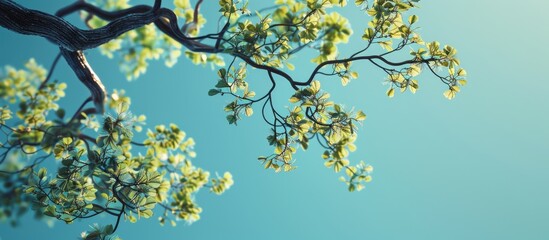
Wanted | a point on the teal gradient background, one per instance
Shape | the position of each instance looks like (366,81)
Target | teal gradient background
(476,167)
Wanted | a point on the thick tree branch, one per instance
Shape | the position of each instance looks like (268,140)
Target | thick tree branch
(77,61)
(31,22)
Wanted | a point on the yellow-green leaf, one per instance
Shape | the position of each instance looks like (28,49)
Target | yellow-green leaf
(391,92)
(249,111)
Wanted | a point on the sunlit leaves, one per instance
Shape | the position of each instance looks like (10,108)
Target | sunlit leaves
(67,147)
(336,28)
(314,118)
(232,8)
(221,184)
(233,82)
(451,93)
(97,173)
(360,116)
(357,176)
(32,100)
(369,34)
(102,169)
(99,232)
(5,114)
(413,19)
(387,45)
(413,70)
(138,47)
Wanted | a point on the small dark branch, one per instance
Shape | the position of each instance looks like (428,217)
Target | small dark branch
(262,10)
(370,58)
(36,162)
(311,116)
(86,137)
(111,211)
(324,144)
(294,24)
(276,71)
(119,216)
(273,86)
(435,73)
(79,110)
(386,70)
(87,111)
(138,144)
(365,48)
(91,215)
(401,45)
(88,147)
(221,33)
(264,115)
(299,48)
(157,5)
(52,68)
(4,155)
(196,9)
(77,61)
(326,74)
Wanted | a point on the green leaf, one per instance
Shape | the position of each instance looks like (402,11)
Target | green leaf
(50,211)
(290,66)
(354,75)
(89,196)
(387,45)
(449,94)
(42,173)
(249,111)
(249,94)
(329,163)
(413,19)
(67,162)
(268,163)
(131,218)
(294,99)
(60,113)
(222,84)
(345,80)
(146,213)
(414,70)
(351,187)
(360,116)
(368,34)
(231,119)
(109,229)
(315,86)
(391,92)
(413,86)
(213,92)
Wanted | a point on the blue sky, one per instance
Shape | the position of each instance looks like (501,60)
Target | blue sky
(475,167)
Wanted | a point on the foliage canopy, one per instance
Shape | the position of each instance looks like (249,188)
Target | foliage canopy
(101,169)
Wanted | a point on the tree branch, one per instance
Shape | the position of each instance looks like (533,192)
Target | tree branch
(77,61)
(31,22)
(372,57)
